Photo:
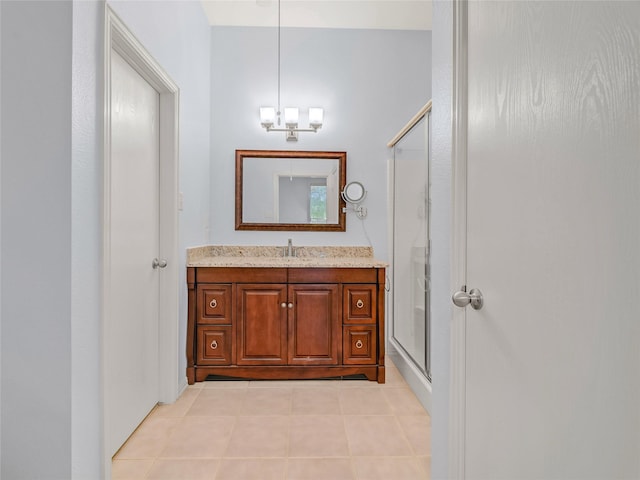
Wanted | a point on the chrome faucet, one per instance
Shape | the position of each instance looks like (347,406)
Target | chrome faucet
(290,250)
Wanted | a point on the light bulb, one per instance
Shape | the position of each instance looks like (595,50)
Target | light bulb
(315,117)
(291,117)
(267,116)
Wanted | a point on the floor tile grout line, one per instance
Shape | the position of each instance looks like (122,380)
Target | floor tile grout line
(233,426)
(276,457)
(404,435)
(150,469)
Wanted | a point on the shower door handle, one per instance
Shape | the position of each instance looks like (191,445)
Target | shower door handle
(474,297)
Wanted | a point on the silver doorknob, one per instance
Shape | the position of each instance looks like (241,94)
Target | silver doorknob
(474,297)
(159,263)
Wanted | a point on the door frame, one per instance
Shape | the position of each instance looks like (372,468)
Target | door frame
(119,38)
(457,390)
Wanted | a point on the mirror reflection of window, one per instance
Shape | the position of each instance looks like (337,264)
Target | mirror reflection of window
(318,203)
(302,199)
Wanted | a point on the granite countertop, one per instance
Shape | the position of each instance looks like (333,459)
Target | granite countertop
(272,256)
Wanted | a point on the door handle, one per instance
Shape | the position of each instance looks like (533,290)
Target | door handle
(474,297)
(159,263)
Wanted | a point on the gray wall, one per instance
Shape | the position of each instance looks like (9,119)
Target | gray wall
(51,215)
(370,83)
(36,240)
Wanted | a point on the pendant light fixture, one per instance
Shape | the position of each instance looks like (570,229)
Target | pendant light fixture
(270,116)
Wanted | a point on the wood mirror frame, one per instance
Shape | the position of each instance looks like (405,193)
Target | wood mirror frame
(339,226)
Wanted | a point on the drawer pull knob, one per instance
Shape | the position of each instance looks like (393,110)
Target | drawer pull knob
(214,344)
(283,305)
(290,305)
(359,344)
(359,303)
(213,303)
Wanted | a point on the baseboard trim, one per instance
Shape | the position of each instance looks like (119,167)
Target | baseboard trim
(416,380)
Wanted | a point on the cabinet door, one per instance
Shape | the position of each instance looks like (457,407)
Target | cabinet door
(261,324)
(314,324)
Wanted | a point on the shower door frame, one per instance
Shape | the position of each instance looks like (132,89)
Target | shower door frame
(416,377)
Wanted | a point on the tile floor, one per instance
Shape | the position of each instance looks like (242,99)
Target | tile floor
(283,430)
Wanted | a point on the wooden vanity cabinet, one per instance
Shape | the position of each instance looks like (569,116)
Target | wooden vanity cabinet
(285,323)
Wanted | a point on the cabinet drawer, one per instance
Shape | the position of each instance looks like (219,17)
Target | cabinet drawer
(359,304)
(214,304)
(214,346)
(359,345)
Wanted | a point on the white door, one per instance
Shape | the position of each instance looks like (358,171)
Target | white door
(553,241)
(132,325)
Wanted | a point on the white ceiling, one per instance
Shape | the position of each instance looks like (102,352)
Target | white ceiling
(382,14)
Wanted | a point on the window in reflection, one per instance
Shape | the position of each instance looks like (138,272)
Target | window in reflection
(301,199)
(318,203)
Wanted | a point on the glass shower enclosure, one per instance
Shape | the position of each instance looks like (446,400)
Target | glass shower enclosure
(410,326)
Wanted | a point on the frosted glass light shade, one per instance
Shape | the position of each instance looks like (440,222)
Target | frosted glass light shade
(291,116)
(316,115)
(267,116)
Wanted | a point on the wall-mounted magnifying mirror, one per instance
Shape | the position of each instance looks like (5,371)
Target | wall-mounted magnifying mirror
(354,193)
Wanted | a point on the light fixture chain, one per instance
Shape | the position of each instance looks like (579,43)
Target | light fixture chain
(278,63)
(268,114)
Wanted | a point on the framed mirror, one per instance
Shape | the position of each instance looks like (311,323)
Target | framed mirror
(290,190)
